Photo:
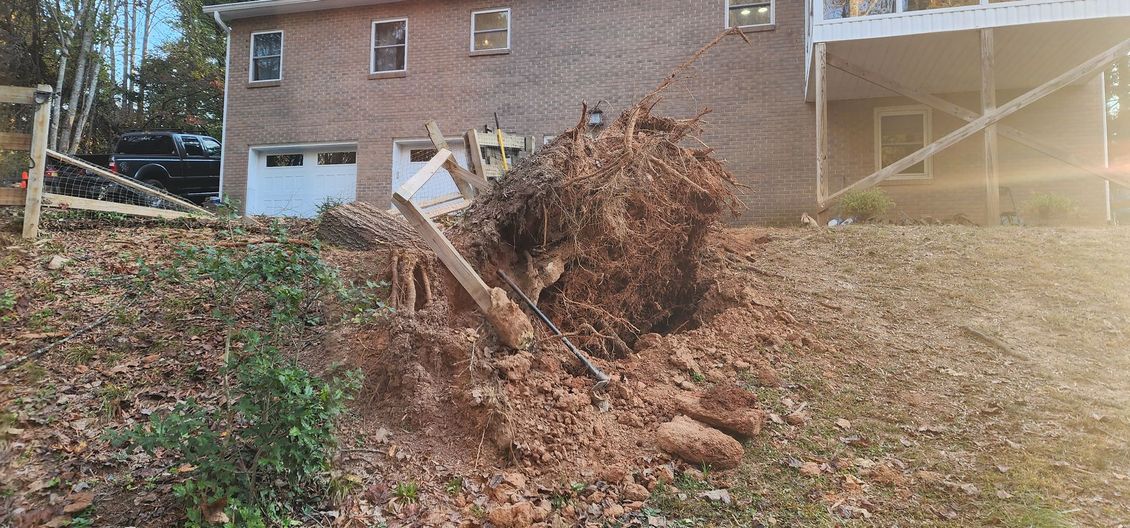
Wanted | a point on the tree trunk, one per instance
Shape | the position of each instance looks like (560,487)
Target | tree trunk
(66,36)
(147,25)
(80,74)
(362,226)
(88,105)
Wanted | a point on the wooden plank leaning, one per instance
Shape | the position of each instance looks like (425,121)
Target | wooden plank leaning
(129,182)
(510,323)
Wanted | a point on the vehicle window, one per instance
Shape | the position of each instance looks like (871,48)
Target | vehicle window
(147,145)
(211,146)
(192,146)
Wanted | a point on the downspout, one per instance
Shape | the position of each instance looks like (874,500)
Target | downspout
(227,86)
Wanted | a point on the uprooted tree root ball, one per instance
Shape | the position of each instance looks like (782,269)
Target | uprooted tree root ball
(606,232)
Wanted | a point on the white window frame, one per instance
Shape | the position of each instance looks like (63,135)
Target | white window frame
(373,46)
(927,114)
(251,56)
(739,3)
(509,21)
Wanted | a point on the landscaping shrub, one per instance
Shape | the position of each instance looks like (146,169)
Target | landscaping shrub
(867,204)
(261,454)
(1048,206)
(264,453)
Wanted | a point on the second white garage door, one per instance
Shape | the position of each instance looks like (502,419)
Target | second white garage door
(410,156)
(295,181)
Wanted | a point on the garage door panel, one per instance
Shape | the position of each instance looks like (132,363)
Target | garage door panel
(299,190)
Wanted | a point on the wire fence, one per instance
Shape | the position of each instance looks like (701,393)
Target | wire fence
(90,182)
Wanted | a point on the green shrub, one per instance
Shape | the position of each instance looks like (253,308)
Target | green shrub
(866,204)
(264,454)
(1048,206)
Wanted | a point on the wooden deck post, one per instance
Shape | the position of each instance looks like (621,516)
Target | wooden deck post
(821,122)
(33,203)
(988,106)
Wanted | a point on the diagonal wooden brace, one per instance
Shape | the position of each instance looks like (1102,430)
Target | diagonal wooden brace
(1089,67)
(967,115)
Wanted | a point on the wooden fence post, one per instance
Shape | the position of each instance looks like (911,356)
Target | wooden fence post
(33,203)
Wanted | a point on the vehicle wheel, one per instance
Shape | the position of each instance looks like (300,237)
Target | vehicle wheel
(150,200)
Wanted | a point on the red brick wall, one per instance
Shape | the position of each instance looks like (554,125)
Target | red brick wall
(564,52)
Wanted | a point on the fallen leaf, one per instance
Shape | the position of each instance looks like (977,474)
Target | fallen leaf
(843,424)
(79,502)
(1003,495)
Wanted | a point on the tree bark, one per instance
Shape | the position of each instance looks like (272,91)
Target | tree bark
(363,226)
(80,73)
(88,105)
(66,35)
(147,25)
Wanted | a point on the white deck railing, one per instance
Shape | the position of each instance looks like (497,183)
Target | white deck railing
(837,20)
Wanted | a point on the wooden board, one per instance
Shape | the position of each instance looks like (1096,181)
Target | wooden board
(821,122)
(413,185)
(988,106)
(14,141)
(452,164)
(12,196)
(71,202)
(455,263)
(130,183)
(17,95)
(33,200)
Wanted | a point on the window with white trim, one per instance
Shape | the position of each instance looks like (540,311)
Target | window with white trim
(900,132)
(750,13)
(266,56)
(390,46)
(490,30)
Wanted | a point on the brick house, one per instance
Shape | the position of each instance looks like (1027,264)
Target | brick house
(326,99)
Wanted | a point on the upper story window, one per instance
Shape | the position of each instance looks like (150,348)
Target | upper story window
(266,56)
(490,30)
(749,13)
(390,46)
(900,132)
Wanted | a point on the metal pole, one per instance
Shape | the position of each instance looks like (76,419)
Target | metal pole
(602,379)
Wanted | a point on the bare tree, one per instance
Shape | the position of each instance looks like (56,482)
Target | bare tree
(88,30)
(65,23)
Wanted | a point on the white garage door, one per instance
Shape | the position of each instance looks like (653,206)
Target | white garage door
(412,155)
(296,181)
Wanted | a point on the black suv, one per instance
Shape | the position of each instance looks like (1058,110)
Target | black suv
(184,164)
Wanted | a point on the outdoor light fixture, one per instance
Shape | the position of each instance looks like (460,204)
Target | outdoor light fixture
(596,118)
(42,96)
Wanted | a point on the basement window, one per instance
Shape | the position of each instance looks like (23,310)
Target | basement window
(749,14)
(900,132)
(490,30)
(266,56)
(390,46)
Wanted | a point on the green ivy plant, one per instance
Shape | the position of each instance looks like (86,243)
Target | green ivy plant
(264,454)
